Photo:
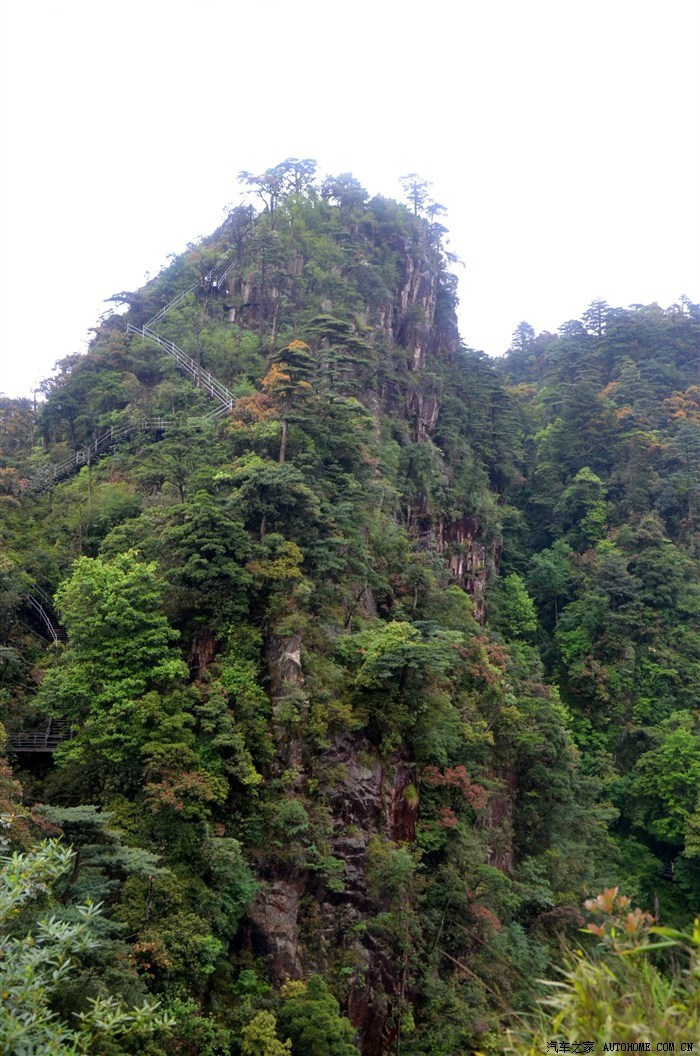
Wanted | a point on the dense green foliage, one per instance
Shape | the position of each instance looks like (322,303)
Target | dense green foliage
(623,997)
(35,966)
(372,684)
(608,543)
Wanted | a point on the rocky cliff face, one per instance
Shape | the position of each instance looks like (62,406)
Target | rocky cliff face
(276,917)
(471,561)
(424,323)
(371,799)
(299,922)
(303,927)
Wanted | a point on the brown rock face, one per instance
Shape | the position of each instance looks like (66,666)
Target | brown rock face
(286,683)
(423,411)
(274,926)
(414,307)
(300,921)
(202,652)
(371,800)
(274,919)
(498,822)
(423,321)
(284,664)
(471,561)
(303,927)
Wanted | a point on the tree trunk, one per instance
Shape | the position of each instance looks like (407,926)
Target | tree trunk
(273,334)
(89,494)
(283,444)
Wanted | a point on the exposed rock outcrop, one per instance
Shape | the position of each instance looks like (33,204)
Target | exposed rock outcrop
(497,822)
(471,560)
(287,691)
(300,921)
(274,920)
(302,927)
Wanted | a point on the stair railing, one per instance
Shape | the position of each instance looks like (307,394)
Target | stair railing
(49,475)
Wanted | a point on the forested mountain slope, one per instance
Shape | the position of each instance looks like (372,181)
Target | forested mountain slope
(607,538)
(371,682)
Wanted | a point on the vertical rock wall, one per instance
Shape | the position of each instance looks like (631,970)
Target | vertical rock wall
(298,921)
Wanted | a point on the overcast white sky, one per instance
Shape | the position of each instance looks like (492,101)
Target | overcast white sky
(561,135)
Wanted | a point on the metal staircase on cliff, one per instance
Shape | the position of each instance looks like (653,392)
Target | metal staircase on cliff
(38,603)
(46,739)
(214,279)
(40,606)
(202,378)
(48,476)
